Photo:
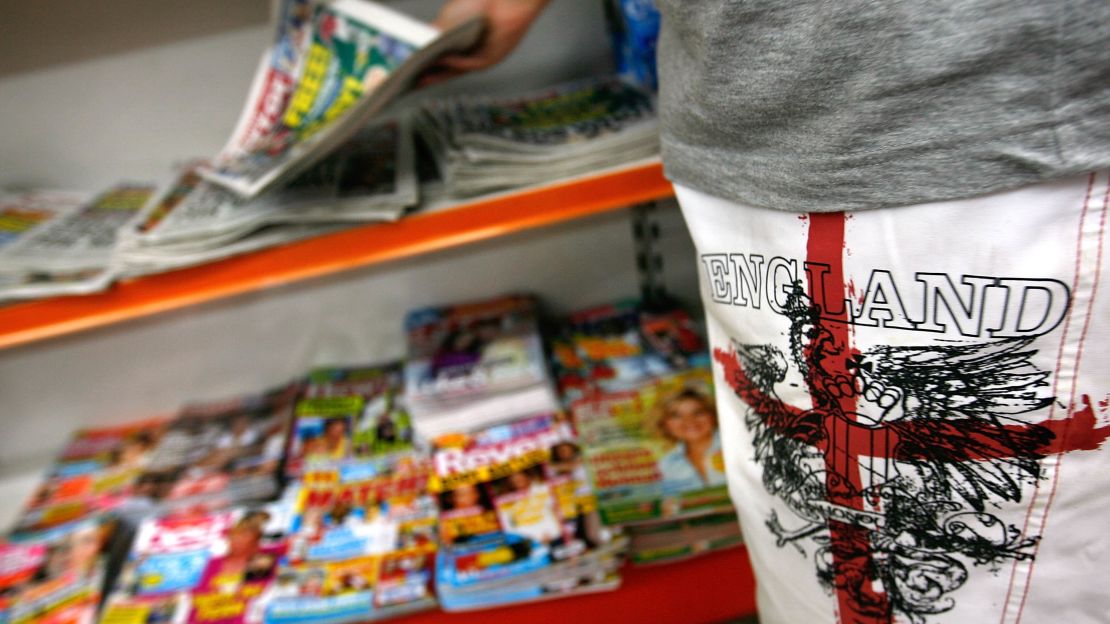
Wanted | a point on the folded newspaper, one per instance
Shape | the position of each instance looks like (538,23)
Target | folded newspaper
(489,144)
(72,252)
(332,67)
(476,364)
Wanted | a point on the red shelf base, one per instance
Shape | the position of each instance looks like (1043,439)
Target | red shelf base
(714,587)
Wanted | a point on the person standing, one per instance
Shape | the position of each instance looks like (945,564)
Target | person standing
(900,215)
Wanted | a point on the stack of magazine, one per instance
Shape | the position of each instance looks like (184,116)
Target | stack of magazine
(363,540)
(638,385)
(323,500)
(96,472)
(349,414)
(77,524)
(217,566)
(362,544)
(484,145)
(476,364)
(518,520)
(57,576)
(217,454)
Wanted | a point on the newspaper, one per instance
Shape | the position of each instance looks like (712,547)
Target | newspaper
(475,364)
(655,451)
(21,214)
(354,58)
(489,144)
(371,177)
(70,254)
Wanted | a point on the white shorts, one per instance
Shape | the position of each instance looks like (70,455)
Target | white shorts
(914,401)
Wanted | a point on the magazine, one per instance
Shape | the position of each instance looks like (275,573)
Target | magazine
(350,414)
(217,454)
(476,364)
(56,578)
(488,144)
(95,473)
(654,451)
(70,254)
(514,503)
(354,58)
(620,345)
(362,545)
(216,567)
(674,540)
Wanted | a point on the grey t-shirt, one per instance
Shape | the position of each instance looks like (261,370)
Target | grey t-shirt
(811,105)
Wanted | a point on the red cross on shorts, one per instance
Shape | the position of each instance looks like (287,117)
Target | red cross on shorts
(845,441)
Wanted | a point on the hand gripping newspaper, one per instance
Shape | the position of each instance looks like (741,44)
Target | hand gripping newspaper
(332,67)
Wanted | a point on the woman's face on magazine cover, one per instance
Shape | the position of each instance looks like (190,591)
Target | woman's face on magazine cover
(689,419)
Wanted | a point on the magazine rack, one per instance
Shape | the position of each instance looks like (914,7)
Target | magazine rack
(423,233)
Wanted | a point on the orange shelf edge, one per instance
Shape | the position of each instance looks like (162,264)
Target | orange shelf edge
(361,246)
(711,588)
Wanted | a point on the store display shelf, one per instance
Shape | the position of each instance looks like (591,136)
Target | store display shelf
(711,588)
(361,246)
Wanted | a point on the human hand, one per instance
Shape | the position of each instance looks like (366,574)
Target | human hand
(507,21)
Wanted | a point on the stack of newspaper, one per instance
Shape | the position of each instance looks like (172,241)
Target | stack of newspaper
(362,544)
(518,520)
(68,243)
(640,391)
(190,220)
(489,144)
(474,365)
